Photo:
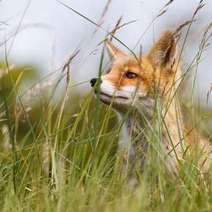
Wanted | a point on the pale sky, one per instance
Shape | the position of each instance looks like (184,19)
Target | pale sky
(49,32)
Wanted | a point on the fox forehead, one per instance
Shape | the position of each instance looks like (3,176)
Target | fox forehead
(137,65)
(142,67)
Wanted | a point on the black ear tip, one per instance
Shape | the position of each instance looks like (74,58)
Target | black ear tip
(93,82)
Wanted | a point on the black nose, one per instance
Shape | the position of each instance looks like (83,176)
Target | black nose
(93,81)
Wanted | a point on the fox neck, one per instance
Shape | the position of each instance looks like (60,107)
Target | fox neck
(145,123)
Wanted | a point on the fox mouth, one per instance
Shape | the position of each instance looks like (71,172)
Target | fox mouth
(112,97)
(108,99)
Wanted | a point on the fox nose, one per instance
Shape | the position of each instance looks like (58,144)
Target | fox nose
(93,81)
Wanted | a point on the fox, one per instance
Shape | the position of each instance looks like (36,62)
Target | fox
(143,92)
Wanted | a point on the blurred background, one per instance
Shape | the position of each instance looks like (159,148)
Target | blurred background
(44,33)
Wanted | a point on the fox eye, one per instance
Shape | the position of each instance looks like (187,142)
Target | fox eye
(130,75)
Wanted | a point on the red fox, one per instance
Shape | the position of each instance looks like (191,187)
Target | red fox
(140,88)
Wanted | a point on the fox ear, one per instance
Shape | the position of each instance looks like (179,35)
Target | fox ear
(163,52)
(114,51)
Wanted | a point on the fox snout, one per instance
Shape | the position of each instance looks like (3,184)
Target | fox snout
(109,93)
(93,82)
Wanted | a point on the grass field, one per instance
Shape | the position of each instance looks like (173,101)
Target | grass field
(86,171)
(63,155)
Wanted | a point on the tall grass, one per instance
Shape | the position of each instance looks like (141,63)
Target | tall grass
(86,171)
(83,170)
(63,157)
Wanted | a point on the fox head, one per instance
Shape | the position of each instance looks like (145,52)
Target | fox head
(133,79)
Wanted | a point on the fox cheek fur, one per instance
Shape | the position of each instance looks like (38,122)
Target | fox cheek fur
(124,95)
